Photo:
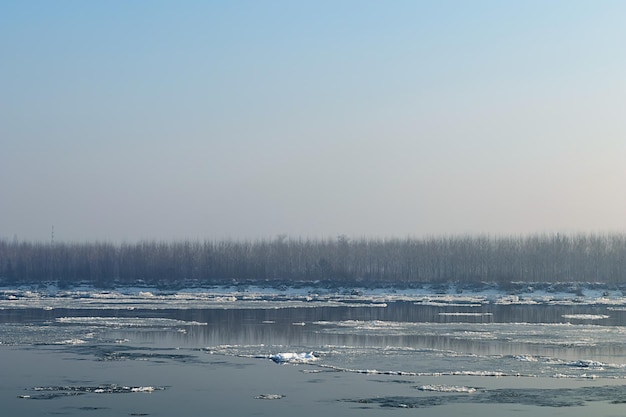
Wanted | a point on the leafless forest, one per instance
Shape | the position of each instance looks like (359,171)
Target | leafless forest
(535,258)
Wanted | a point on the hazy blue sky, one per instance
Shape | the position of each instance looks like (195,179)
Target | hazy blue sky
(128,120)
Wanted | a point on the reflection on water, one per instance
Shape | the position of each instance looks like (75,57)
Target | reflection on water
(505,330)
(567,332)
(403,341)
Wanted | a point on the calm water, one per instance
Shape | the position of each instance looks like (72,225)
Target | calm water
(78,353)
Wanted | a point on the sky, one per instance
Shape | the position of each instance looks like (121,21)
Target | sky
(167,120)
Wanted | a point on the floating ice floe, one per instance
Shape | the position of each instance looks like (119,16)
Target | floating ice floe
(445,304)
(584,363)
(463,314)
(72,342)
(452,300)
(525,358)
(446,388)
(142,389)
(47,393)
(126,321)
(585,316)
(269,397)
(291,357)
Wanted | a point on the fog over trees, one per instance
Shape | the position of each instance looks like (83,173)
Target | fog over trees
(341,260)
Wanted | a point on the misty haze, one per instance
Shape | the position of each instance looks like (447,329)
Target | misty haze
(338,208)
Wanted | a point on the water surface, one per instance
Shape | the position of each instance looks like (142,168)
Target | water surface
(151,353)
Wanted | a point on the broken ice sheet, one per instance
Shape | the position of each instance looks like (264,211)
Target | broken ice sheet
(51,392)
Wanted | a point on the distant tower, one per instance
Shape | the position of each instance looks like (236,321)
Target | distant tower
(52,236)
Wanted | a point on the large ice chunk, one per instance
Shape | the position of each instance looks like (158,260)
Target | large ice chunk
(291,357)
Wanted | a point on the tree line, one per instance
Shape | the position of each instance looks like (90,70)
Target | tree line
(503,259)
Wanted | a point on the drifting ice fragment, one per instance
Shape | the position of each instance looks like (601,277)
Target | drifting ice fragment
(525,358)
(447,388)
(269,397)
(293,357)
(585,363)
(585,316)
